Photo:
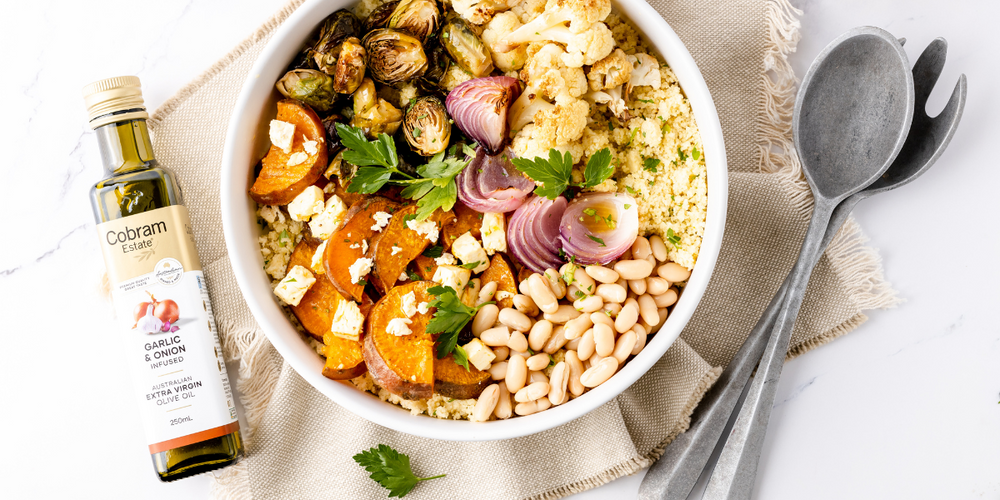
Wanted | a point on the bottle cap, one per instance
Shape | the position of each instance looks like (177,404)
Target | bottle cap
(113,100)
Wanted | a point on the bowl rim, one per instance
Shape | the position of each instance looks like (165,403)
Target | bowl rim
(240,232)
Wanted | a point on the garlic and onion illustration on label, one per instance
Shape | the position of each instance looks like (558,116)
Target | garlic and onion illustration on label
(156,316)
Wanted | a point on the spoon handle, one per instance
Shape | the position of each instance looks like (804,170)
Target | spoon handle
(734,473)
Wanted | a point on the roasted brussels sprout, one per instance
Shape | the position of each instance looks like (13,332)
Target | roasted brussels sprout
(372,114)
(426,126)
(312,87)
(416,17)
(379,18)
(337,27)
(465,47)
(394,56)
(350,66)
(438,62)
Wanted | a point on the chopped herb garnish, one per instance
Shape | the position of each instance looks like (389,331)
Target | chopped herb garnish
(673,238)
(282,237)
(695,154)
(647,101)
(650,164)
(590,211)
(472,265)
(630,190)
(434,251)
(390,469)
(416,132)
(595,239)
(627,206)
(681,155)
(412,275)
(631,136)
(577,294)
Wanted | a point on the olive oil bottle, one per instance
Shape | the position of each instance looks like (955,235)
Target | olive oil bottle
(158,288)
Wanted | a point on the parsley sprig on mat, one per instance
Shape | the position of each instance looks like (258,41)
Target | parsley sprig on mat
(391,469)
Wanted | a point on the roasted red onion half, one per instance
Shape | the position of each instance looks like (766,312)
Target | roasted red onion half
(492,183)
(533,233)
(479,108)
(597,228)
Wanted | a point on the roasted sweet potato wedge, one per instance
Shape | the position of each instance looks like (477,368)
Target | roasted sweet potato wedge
(394,248)
(315,310)
(501,271)
(452,380)
(344,358)
(347,244)
(465,220)
(278,182)
(424,266)
(402,365)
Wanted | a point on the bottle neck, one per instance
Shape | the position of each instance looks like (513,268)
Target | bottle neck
(125,146)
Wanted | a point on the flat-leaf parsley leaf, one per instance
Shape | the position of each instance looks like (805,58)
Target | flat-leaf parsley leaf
(449,319)
(391,469)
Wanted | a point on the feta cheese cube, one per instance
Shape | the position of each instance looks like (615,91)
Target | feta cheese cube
(347,321)
(422,308)
(453,276)
(364,246)
(469,251)
(311,147)
(408,304)
(282,134)
(308,203)
(324,224)
(446,259)
(359,269)
(317,265)
(425,228)
(399,327)
(297,158)
(403,276)
(381,220)
(396,249)
(494,237)
(294,285)
(479,354)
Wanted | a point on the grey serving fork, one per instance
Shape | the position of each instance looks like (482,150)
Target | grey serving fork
(674,475)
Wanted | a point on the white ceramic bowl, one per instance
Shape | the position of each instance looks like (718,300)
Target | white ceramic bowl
(246,141)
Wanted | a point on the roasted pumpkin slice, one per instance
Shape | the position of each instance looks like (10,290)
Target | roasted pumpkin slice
(394,248)
(501,271)
(344,358)
(348,244)
(465,220)
(284,175)
(425,267)
(401,364)
(315,310)
(452,380)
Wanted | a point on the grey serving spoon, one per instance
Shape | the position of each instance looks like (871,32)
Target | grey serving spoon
(674,475)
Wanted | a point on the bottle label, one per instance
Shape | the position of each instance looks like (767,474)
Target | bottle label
(166,320)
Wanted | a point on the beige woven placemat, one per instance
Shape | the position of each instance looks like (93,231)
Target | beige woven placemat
(300,444)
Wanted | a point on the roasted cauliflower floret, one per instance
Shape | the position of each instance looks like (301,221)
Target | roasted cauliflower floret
(524,109)
(545,72)
(564,122)
(645,71)
(587,40)
(615,99)
(529,143)
(502,24)
(528,9)
(611,71)
(481,11)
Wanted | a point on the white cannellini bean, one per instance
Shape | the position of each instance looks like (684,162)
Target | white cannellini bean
(555,283)
(658,247)
(663,316)
(530,407)
(638,287)
(517,373)
(656,285)
(514,319)
(584,282)
(541,293)
(556,341)
(486,403)
(503,409)
(640,339)
(522,287)
(537,376)
(518,342)
(612,308)
(647,309)
(487,291)
(641,248)
(576,326)
(652,261)
(496,336)
(633,269)
(523,354)
(498,371)
(623,346)
(622,282)
(599,373)
(532,392)
(666,299)
(575,343)
(601,317)
(562,314)
(604,339)
(559,383)
(485,319)
(501,353)
(572,292)
(539,335)
(589,304)
(538,361)
(587,345)
(575,370)
(612,292)
(596,358)
(602,274)
(673,272)
(628,316)
(524,304)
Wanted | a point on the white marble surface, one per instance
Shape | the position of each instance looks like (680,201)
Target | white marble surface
(905,407)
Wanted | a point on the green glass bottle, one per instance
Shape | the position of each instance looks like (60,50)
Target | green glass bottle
(159,292)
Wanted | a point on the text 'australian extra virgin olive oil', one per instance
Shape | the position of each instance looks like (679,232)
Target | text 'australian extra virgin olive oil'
(164,314)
